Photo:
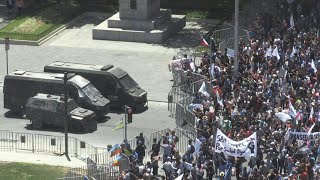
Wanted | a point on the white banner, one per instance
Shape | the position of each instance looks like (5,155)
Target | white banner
(244,148)
(305,136)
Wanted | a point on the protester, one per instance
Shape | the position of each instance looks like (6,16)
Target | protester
(271,105)
(20,5)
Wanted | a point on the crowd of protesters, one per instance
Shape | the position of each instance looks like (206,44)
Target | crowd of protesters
(278,71)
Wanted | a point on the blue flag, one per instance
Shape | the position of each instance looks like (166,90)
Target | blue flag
(85,178)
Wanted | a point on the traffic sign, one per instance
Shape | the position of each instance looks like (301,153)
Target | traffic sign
(7,43)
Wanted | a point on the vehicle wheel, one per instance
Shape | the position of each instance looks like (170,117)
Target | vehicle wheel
(37,123)
(75,127)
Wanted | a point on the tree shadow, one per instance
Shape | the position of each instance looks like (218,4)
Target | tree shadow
(188,37)
(54,129)
(88,19)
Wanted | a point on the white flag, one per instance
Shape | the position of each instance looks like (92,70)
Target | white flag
(269,52)
(276,53)
(219,100)
(203,89)
(310,130)
(192,66)
(291,21)
(293,51)
(292,111)
(313,66)
(212,70)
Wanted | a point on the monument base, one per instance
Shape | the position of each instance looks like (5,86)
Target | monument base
(148,31)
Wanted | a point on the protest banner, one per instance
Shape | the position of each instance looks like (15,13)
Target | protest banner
(304,136)
(243,148)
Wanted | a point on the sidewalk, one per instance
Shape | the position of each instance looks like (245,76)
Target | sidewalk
(35,158)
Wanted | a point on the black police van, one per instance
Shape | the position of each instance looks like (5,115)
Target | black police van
(19,86)
(113,82)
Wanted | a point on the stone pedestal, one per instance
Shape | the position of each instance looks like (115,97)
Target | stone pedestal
(140,21)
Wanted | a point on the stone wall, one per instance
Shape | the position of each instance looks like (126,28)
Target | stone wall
(145,9)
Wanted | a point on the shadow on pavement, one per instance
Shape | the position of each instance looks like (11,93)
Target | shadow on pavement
(188,37)
(87,20)
(103,119)
(12,114)
(54,129)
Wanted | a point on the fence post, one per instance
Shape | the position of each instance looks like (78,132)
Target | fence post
(32,143)
(60,145)
(96,154)
(76,149)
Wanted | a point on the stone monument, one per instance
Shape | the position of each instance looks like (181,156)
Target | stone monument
(140,21)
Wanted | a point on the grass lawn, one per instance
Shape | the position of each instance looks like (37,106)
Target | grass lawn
(26,171)
(35,26)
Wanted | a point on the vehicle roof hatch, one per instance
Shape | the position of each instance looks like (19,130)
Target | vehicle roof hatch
(107,67)
(58,63)
(19,72)
(61,76)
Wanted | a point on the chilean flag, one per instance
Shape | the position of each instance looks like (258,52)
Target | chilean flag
(204,42)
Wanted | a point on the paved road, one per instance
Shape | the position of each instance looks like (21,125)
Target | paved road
(146,63)
(155,118)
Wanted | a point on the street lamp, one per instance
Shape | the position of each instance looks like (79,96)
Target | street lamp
(66,122)
(236,44)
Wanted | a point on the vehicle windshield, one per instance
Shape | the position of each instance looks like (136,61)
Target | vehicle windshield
(72,105)
(90,91)
(127,82)
(80,81)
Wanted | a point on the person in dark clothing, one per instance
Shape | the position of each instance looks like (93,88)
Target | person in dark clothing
(140,138)
(156,146)
(141,151)
(210,170)
(238,168)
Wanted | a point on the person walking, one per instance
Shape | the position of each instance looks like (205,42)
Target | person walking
(20,5)
(10,5)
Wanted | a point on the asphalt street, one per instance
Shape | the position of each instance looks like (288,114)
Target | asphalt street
(146,63)
(155,118)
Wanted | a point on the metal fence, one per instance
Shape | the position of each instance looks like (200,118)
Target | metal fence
(227,35)
(92,171)
(45,144)
(183,135)
(180,98)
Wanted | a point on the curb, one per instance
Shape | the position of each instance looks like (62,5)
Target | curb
(158,101)
(209,21)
